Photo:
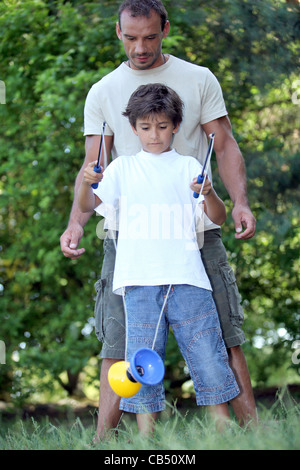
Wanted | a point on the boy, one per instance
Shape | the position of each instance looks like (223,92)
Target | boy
(154,252)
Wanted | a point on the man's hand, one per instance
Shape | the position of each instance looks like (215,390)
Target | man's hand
(70,240)
(243,219)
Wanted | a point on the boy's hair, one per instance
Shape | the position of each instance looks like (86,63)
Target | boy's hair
(152,99)
(143,8)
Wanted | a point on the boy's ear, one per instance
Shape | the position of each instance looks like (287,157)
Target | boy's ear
(134,129)
(176,128)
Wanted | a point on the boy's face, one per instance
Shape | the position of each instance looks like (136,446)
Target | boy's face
(155,133)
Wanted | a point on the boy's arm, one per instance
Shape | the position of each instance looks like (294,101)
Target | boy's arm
(87,200)
(214,207)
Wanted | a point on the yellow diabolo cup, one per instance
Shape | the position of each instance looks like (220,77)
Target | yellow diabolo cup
(121,381)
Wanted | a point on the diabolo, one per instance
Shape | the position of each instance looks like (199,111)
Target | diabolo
(145,367)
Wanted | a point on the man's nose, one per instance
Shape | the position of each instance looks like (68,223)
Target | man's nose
(140,47)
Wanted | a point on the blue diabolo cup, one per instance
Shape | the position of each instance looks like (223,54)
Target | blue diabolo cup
(147,367)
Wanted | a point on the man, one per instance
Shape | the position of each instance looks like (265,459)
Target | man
(141,27)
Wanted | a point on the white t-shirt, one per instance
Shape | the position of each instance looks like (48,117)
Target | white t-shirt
(198,88)
(157,241)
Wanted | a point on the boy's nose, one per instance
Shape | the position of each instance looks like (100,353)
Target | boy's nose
(153,134)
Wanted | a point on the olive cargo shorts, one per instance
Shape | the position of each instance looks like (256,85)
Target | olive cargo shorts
(109,312)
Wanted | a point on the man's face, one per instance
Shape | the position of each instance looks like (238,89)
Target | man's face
(142,39)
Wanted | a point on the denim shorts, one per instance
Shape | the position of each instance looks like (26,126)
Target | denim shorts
(109,312)
(190,312)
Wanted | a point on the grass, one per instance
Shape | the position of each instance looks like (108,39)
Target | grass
(279,429)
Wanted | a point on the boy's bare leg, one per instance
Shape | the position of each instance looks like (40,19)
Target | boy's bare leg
(220,414)
(146,423)
(243,405)
(109,413)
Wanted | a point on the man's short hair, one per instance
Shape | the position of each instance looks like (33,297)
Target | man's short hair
(143,8)
(153,99)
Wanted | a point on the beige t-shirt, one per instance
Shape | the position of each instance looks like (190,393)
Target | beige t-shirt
(197,87)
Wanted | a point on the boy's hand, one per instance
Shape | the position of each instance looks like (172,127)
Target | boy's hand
(197,187)
(90,176)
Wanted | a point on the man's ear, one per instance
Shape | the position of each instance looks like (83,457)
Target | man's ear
(118,31)
(166,29)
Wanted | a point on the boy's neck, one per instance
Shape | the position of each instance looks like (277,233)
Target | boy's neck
(160,153)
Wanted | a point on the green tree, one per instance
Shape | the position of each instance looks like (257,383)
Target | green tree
(50,59)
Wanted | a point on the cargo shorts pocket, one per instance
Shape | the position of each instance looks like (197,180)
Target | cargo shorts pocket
(98,309)
(233,295)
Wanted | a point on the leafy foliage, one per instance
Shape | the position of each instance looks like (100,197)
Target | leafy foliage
(51,53)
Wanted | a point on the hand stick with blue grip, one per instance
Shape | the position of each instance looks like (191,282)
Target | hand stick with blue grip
(97,168)
(201,177)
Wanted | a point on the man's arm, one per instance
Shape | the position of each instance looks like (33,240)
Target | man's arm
(70,239)
(233,174)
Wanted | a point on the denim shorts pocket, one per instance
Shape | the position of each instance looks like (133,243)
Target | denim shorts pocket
(233,295)
(98,309)
(129,289)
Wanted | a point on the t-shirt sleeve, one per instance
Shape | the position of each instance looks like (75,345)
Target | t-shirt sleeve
(109,190)
(93,114)
(212,101)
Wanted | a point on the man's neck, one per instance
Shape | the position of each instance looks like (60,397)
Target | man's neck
(164,59)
